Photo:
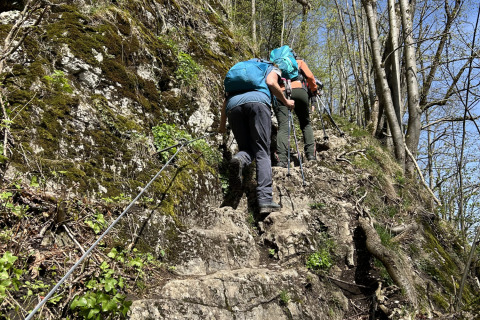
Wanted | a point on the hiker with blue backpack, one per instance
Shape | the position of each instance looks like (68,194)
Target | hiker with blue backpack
(250,90)
(302,85)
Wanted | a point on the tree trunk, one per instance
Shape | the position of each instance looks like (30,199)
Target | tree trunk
(385,95)
(303,42)
(430,149)
(414,113)
(254,24)
(394,60)
(361,51)
(283,23)
(350,54)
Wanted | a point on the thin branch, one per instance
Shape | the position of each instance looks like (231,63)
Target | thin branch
(421,176)
(458,119)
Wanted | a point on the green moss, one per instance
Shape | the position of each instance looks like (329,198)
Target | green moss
(441,301)
(73,30)
(116,34)
(441,266)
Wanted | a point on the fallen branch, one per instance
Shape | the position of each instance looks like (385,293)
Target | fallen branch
(341,156)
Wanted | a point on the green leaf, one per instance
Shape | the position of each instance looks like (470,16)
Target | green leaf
(110,284)
(5,195)
(109,306)
(92,284)
(92,313)
(113,253)
(78,302)
(104,266)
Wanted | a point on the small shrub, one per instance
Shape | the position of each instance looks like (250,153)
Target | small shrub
(102,299)
(167,135)
(187,70)
(98,223)
(9,275)
(284,297)
(320,260)
(58,81)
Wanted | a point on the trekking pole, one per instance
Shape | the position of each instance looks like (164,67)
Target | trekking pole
(298,151)
(331,118)
(325,136)
(288,93)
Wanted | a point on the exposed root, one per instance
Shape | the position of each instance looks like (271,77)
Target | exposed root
(399,271)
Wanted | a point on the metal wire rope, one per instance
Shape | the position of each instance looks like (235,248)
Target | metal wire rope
(49,295)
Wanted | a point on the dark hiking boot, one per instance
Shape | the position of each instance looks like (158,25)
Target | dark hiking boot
(268,207)
(235,179)
(235,169)
(311,158)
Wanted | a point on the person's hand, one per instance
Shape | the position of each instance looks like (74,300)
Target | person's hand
(290,104)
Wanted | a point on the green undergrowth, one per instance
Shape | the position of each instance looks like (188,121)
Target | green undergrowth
(166,135)
(322,259)
(33,265)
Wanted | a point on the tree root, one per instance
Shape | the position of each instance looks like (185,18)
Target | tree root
(398,270)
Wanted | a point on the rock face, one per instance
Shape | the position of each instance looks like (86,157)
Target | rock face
(89,88)
(242,294)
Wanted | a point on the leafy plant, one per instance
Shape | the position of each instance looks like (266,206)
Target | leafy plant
(58,81)
(103,299)
(319,260)
(9,275)
(167,135)
(284,297)
(122,197)
(18,210)
(187,69)
(98,223)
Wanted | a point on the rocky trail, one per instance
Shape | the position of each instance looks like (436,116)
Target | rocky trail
(232,266)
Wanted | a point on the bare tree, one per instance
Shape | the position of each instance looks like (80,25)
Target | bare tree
(384,90)
(413,133)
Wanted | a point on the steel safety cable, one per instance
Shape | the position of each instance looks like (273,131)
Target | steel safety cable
(49,295)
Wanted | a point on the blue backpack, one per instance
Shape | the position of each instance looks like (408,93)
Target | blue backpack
(248,76)
(284,58)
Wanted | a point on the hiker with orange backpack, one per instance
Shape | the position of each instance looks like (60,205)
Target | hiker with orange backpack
(251,87)
(302,81)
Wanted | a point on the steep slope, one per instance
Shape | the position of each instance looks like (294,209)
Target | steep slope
(96,91)
(311,259)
